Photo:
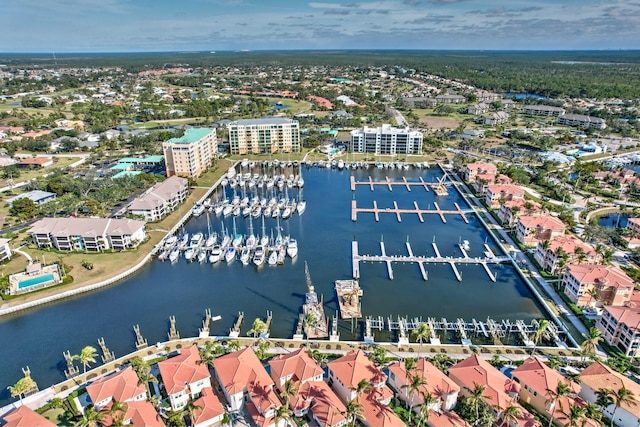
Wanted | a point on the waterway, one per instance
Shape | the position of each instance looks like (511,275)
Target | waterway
(39,337)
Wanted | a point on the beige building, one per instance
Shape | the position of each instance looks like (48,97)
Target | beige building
(191,154)
(266,135)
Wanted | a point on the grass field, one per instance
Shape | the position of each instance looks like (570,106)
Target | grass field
(29,174)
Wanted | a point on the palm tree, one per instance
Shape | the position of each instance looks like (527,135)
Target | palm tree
(542,331)
(576,416)
(427,400)
(421,333)
(555,398)
(87,355)
(257,328)
(282,413)
(604,398)
(413,386)
(138,365)
(147,377)
(289,389)
(593,412)
(379,356)
(320,358)
(510,415)
(209,353)
(233,346)
(176,418)
(91,418)
(354,411)
(117,413)
(594,296)
(22,386)
(623,396)
(363,385)
(410,364)
(476,397)
(191,408)
(591,341)
(308,321)
(261,351)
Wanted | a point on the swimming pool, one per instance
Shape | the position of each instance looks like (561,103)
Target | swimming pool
(36,281)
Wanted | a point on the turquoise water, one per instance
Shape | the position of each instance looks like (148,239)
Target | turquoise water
(35,281)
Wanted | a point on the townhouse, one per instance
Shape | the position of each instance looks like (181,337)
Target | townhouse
(496,194)
(558,251)
(184,377)
(531,229)
(140,413)
(581,121)
(543,110)
(599,376)
(497,118)
(122,386)
(161,199)
(620,326)
(346,372)
(499,391)
(511,210)
(87,234)
(538,382)
(479,108)
(611,284)
(473,170)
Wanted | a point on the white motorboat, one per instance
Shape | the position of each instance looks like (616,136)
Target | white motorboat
(170,241)
(275,212)
(230,254)
(219,208)
(174,254)
(286,213)
(245,255)
(236,211)
(259,256)
(202,256)
(267,211)
(231,172)
(245,163)
(196,239)
(292,248)
(269,183)
(198,209)
(183,242)
(302,205)
(216,253)
(226,239)
(190,253)
(273,257)
(300,182)
(282,253)
(340,164)
(227,210)
(246,211)
(224,182)
(211,240)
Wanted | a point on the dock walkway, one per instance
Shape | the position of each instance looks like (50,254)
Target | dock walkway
(390,184)
(355,210)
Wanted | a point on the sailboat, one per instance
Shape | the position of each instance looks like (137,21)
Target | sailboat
(225,237)
(264,240)
(237,238)
(302,204)
(230,254)
(251,239)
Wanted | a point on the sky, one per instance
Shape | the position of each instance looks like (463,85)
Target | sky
(210,25)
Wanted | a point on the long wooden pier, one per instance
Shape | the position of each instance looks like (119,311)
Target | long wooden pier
(356,258)
(404,183)
(416,211)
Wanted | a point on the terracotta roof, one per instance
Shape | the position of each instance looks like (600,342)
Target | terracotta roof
(325,405)
(182,370)
(438,384)
(297,363)
(355,366)
(39,161)
(475,370)
(613,275)
(259,419)
(25,417)
(506,188)
(376,413)
(540,378)
(210,407)
(547,222)
(569,243)
(482,166)
(627,314)
(445,419)
(599,376)
(139,414)
(121,386)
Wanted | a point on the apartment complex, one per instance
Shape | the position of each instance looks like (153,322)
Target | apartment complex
(161,199)
(87,234)
(386,140)
(191,154)
(543,110)
(268,135)
(582,121)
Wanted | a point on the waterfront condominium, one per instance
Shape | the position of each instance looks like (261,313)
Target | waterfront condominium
(386,140)
(266,135)
(191,154)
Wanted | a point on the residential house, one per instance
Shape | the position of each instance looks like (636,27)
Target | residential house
(612,285)
(209,410)
(137,414)
(445,419)
(122,386)
(161,199)
(317,399)
(499,391)
(87,234)
(497,118)
(296,366)
(497,194)
(512,209)
(536,380)
(184,377)
(35,162)
(5,250)
(442,388)
(23,416)
(346,372)
(246,384)
(598,376)
(543,110)
(620,326)
(531,229)
(564,249)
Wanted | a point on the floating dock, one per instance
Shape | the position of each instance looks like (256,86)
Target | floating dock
(356,258)
(390,184)
(355,210)
(349,293)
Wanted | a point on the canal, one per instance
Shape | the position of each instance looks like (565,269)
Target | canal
(38,338)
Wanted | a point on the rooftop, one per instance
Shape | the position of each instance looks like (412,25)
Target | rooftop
(191,136)
(262,121)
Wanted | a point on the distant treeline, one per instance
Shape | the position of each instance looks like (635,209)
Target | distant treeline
(591,74)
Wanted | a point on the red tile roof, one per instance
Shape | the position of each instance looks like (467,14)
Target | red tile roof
(610,274)
(297,363)
(445,419)
(598,376)
(181,370)
(325,405)
(354,367)
(121,386)
(210,407)
(546,222)
(540,378)
(25,417)
(376,413)
(438,384)
(37,161)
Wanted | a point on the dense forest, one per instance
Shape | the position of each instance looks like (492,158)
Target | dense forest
(591,74)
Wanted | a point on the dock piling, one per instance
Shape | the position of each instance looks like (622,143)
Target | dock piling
(140,341)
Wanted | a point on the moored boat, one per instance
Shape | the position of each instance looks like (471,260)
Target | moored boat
(292,248)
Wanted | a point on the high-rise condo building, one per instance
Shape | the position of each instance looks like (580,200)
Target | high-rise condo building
(191,154)
(266,135)
(386,140)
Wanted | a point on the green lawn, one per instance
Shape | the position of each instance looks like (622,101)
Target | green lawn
(29,174)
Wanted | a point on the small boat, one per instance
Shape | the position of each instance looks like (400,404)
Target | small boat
(189,253)
(211,240)
(245,163)
(379,165)
(183,242)
(465,245)
(216,253)
(206,203)
(340,164)
(300,182)
(256,211)
(292,248)
(220,208)
(174,254)
(267,211)
(227,210)
(170,241)
(236,211)
(230,254)
(273,257)
(245,255)
(164,255)
(246,211)
(275,212)
(286,213)
(202,256)
(198,209)
(231,172)
(259,256)
(282,253)
(302,205)
(224,182)
(196,240)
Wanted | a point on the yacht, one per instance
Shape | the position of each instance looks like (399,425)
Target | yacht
(184,241)
(170,241)
(302,205)
(174,254)
(292,248)
(259,256)
(219,208)
(245,163)
(198,209)
(196,240)
(245,255)
(227,210)
(230,254)
(231,172)
(340,164)
(211,240)
(216,253)
(300,182)
(189,253)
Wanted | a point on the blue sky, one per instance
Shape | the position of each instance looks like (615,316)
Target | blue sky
(168,25)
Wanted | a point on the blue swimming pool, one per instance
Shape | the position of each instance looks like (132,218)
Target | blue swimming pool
(35,281)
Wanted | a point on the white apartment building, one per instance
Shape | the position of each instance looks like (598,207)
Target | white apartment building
(161,199)
(191,154)
(267,135)
(386,140)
